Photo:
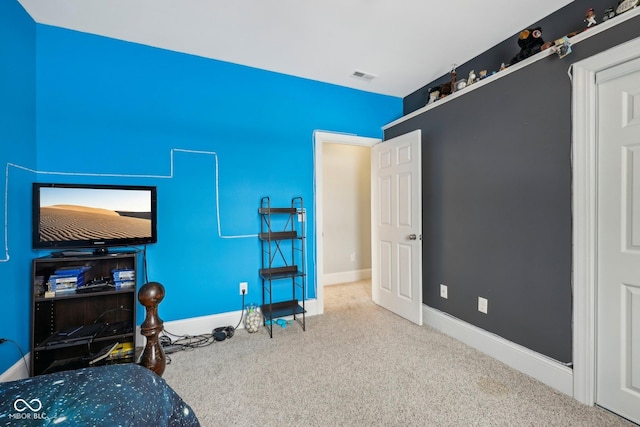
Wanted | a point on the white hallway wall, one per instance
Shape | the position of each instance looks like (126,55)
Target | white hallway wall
(347,213)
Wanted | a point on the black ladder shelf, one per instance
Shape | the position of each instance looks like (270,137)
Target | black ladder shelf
(282,237)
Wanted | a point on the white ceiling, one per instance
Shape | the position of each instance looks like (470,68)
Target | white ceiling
(404,43)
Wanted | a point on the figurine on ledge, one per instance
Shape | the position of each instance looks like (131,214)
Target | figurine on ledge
(590,18)
(530,41)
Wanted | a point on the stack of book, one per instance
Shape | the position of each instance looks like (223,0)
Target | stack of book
(122,351)
(113,352)
(68,279)
(124,278)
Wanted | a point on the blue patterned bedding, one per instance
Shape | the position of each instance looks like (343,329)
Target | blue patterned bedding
(114,395)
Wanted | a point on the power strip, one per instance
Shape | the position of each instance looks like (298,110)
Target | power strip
(171,348)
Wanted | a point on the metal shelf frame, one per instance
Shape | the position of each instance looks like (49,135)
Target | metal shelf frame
(282,237)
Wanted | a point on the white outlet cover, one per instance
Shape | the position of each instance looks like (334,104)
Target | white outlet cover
(444,291)
(483,305)
(245,286)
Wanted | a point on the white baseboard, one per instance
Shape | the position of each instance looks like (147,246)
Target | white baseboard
(202,324)
(206,324)
(536,365)
(346,277)
(311,305)
(17,371)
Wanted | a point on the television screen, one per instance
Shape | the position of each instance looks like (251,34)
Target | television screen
(93,216)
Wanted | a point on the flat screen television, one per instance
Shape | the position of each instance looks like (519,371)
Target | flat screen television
(75,216)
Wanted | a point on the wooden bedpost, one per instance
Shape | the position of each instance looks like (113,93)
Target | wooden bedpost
(150,295)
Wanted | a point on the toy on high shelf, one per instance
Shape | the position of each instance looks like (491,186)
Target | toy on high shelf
(626,5)
(562,47)
(547,45)
(530,42)
(608,14)
(449,87)
(434,95)
(472,78)
(590,18)
(453,78)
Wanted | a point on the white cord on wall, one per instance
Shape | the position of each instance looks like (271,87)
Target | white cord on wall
(170,176)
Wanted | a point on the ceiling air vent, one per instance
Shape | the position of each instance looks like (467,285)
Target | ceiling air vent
(363,76)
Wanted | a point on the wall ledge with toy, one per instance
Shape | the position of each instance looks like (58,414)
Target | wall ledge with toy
(544,54)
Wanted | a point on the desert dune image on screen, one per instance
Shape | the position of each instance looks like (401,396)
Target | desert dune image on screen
(72,214)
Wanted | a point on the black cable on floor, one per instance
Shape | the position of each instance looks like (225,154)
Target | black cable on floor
(185,342)
(190,342)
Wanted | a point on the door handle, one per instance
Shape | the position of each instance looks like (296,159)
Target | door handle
(412,237)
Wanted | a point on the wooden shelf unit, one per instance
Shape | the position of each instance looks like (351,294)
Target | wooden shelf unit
(115,308)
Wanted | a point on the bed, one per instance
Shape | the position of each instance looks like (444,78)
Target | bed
(125,395)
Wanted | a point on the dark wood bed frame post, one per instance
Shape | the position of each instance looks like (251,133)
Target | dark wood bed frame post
(151,295)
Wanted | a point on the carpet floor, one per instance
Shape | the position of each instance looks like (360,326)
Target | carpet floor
(361,365)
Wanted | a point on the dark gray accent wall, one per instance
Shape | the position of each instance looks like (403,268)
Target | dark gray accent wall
(497,200)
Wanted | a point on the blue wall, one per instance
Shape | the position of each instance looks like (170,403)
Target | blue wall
(17,147)
(110,111)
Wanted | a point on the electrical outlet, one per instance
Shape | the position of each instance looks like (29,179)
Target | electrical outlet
(444,291)
(483,305)
(244,288)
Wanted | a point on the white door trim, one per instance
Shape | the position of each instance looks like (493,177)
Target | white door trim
(319,138)
(585,160)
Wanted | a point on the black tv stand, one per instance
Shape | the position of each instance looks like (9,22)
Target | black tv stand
(67,313)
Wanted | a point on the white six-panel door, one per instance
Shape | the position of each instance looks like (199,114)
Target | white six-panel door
(396,226)
(618,240)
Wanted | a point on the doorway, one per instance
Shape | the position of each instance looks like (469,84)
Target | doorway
(323,208)
(346,213)
(591,184)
